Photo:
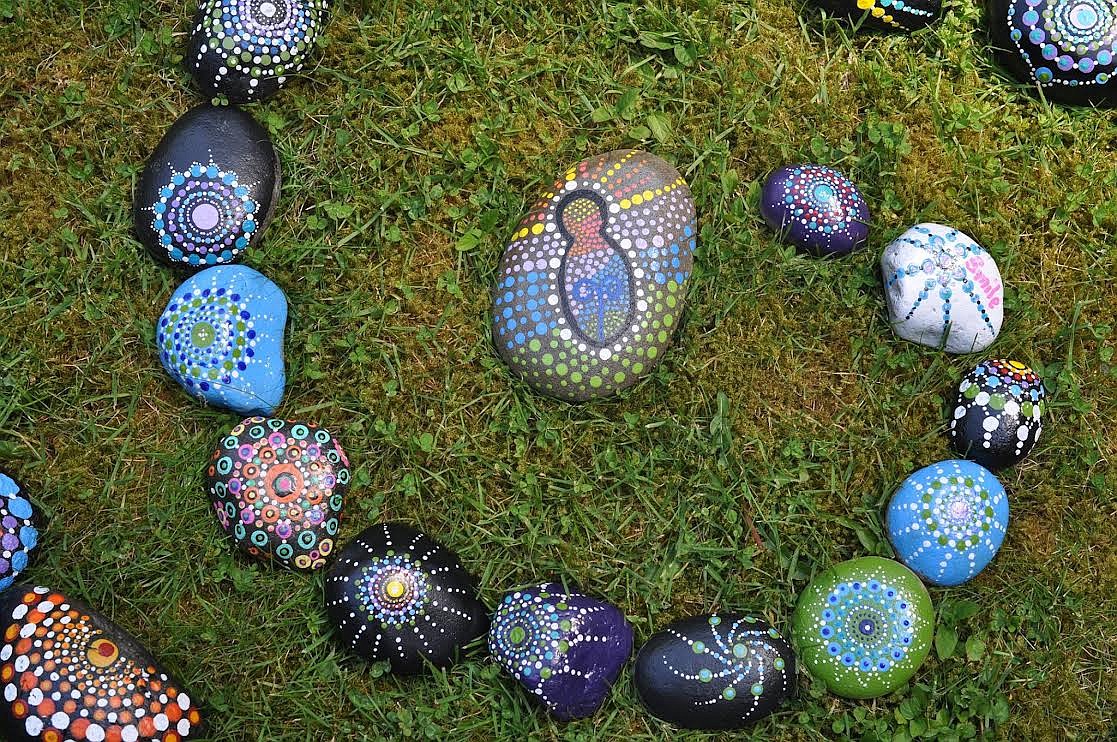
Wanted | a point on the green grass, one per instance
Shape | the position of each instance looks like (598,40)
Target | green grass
(760,452)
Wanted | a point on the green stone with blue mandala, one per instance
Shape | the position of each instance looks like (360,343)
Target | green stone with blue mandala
(864,627)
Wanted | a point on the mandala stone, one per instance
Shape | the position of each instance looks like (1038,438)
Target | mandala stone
(277,487)
(68,673)
(208,190)
(886,15)
(1065,48)
(998,413)
(247,49)
(715,672)
(396,594)
(221,338)
(565,648)
(947,521)
(593,283)
(943,289)
(864,627)
(19,530)
(815,208)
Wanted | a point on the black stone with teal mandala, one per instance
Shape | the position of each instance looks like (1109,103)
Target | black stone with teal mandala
(248,49)
(864,627)
(397,595)
(208,190)
(715,672)
(1066,48)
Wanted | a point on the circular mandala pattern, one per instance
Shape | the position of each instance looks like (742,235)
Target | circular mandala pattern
(68,674)
(19,535)
(566,648)
(221,338)
(277,487)
(204,216)
(816,208)
(395,594)
(593,282)
(864,627)
(250,47)
(998,413)
(947,521)
(1067,47)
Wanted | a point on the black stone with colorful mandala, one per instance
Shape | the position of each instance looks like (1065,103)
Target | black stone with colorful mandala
(395,594)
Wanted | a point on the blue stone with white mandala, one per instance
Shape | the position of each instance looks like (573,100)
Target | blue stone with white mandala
(208,190)
(715,672)
(947,521)
(221,339)
(399,596)
(19,530)
(565,648)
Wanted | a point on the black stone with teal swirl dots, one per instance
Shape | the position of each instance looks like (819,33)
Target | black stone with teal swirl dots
(1065,48)
(397,595)
(715,672)
(897,16)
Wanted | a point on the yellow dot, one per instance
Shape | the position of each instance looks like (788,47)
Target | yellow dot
(637,199)
(648,195)
(395,589)
(626,204)
(537,229)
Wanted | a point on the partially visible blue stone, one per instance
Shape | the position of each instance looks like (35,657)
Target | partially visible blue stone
(221,338)
(19,532)
(947,521)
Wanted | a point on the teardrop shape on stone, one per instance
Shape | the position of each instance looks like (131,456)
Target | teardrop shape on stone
(68,673)
(208,190)
(248,49)
(898,16)
(593,283)
(567,649)
(864,627)
(277,488)
(998,413)
(943,289)
(20,522)
(1065,48)
(397,595)
(221,339)
(947,521)
(715,672)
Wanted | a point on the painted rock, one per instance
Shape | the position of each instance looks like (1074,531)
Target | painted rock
(247,49)
(69,673)
(592,285)
(396,594)
(19,530)
(1066,48)
(886,15)
(864,627)
(564,647)
(715,672)
(998,413)
(943,289)
(947,521)
(221,338)
(815,208)
(208,190)
(277,487)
